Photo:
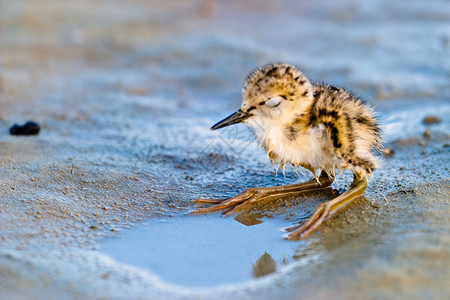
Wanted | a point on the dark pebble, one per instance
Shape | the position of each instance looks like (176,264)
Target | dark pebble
(388,152)
(29,128)
(430,120)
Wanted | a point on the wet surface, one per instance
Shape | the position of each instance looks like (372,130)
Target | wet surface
(125,96)
(201,251)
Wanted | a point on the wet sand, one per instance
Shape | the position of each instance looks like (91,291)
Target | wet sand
(125,96)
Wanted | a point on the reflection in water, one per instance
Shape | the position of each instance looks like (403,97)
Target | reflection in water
(249,219)
(202,251)
(264,265)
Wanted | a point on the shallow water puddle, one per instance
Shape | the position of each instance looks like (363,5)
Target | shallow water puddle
(202,251)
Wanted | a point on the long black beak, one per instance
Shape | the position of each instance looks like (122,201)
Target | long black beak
(234,118)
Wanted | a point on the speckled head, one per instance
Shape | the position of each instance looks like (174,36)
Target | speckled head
(270,92)
(275,80)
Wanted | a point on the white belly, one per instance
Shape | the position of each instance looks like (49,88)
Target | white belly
(312,148)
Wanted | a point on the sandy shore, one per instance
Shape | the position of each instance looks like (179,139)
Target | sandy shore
(125,94)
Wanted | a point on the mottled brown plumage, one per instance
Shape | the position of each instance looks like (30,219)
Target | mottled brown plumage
(316,126)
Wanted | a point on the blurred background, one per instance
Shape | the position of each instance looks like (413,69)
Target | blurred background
(92,57)
(126,91)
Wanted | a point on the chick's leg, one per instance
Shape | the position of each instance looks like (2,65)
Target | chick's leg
(325,210)
(253,195)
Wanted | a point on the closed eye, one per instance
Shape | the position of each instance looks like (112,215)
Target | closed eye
(251,108)
(273,102)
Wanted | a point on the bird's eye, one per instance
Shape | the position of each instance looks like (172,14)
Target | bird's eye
(273,102)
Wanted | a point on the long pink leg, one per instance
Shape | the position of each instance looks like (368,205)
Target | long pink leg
(253,195)
(325,210)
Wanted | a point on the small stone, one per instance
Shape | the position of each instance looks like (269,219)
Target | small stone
(29,128)
(431,120)
(388,152)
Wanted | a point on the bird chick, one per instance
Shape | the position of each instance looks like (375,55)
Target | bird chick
(316,126)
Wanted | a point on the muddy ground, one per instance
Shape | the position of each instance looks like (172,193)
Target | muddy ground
(125,94)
